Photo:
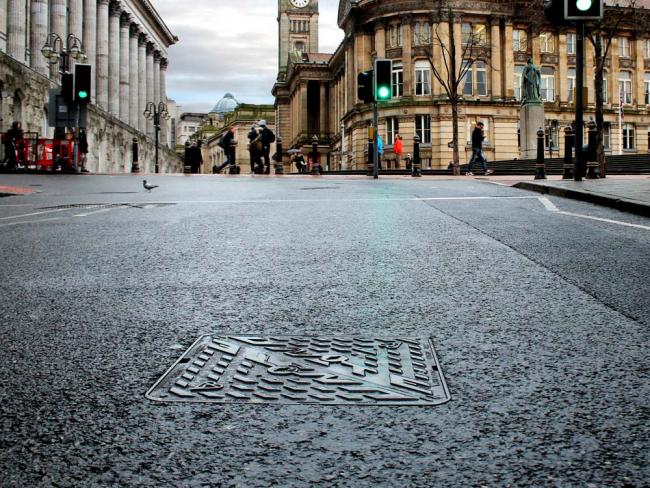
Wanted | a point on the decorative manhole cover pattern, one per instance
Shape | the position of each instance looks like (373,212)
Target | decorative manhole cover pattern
(321,370)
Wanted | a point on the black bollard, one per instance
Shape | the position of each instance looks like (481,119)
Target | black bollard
(279,166)
(592,163)
(417,164)
(567,167)
(540,168)
(135,168)
(232,168)
(314,156)
(371,153)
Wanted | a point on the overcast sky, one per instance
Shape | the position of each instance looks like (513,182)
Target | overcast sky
(229,46)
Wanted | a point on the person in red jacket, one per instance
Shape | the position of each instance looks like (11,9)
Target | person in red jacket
(398,149)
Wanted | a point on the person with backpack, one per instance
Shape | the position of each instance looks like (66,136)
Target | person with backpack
(255,149)
(267,139)
(225,143)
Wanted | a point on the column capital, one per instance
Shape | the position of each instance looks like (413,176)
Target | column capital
(157,56)
(143,39)
(103,2)
(494,20)
(380,25)
(115,9)
(150,48)
(125,19)
(164,63)
(134,30)
(406,19)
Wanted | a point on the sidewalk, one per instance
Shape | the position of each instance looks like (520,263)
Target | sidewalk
(625,193)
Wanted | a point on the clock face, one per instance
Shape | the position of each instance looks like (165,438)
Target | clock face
(299,3)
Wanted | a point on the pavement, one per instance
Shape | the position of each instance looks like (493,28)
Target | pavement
(537,307)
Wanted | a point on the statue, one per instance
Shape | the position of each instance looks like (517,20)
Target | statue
(530,84)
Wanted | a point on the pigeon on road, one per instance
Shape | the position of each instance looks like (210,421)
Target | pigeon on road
(147,186)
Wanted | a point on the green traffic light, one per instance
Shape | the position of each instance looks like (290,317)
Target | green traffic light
(83,94)
(383,93)
(584,5)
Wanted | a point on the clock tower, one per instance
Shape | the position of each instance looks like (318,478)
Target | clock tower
(298,30)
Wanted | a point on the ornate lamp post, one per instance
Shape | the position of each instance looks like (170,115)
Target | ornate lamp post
(155,113)
(56,52)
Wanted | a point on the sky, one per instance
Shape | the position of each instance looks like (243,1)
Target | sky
(229,46)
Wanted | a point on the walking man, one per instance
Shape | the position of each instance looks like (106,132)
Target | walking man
(477,150)
(267,139)
(229,151)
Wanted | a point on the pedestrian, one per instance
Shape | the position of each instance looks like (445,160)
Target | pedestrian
(13,140)
(83,150)
(225,143)
(254,148)
(380,150)
(267,139)
(477,150)
(398,150)
(195,158)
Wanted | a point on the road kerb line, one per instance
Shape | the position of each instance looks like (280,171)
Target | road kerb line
(608,221)
(30,221)
(34,213)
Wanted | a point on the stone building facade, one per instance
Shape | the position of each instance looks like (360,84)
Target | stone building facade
(316,94)
(126,43)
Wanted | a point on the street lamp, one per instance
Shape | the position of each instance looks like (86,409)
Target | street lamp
(156,112)
(56,52)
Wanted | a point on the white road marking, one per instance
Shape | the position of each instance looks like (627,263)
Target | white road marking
(609,221)
(550,206)
(35,213)
(30,221)
(102,210)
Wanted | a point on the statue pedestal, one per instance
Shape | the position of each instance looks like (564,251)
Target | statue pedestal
(531,118)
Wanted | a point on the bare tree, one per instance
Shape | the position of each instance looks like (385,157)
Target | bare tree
(445,66)
(625,16)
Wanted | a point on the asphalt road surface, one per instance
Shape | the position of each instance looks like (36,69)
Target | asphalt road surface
(538,309)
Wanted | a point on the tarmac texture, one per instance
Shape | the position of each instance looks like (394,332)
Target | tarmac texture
(539,320)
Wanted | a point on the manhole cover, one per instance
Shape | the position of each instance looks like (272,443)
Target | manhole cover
(322,370)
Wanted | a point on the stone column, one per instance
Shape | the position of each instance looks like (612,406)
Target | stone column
(407,56)
(3,29)
(75,18)
(150,94)
(102,54)
(563,93)
(380,39)
(613,83)
(436,30)
(114,59)
(142,81)
(38,35)
(590,54)
(458,40)
(90,41)
(443,34)
(125,66)
(304,121)
(495,59)
(16,29)
(322,123)
(156,77)
(133,77)
(509,63)
(638,88)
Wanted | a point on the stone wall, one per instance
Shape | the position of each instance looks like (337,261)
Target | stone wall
(24,98)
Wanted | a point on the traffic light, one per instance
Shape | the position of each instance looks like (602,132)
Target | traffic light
(383,84)
(82,74)
(364,87)
(67,89)
(583,9)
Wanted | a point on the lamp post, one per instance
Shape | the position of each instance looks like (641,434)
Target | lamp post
(156,112)
(56,52)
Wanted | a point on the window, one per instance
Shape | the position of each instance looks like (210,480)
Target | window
(607,135)
(548,84)
(422,78)
(551,135)
(476,80)
(628,136)
(395,35)
(519,40)
(571,85)
(625,87)
(475,34)
(392,129)
(518,71)
(605,87)
(398,80)
(546,44)
(471,125)
(299,46)
(467,86)
(646,48)
(624,47)
(422,34)
(571,43)
(646,88)
(423,128)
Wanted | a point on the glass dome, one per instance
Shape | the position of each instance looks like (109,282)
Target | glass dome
(227,104)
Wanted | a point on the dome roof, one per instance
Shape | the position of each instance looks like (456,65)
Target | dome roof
(227,104)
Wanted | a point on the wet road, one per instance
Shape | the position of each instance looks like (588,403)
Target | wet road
(537,306)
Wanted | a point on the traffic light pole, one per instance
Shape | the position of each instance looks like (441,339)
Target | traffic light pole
(375,136)
(580,77)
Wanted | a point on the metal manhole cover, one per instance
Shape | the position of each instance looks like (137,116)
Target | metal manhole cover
(314,369)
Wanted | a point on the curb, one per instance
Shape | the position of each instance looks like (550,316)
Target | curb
(622,204)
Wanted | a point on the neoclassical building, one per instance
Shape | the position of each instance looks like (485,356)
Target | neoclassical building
(316,93)
(126,43)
